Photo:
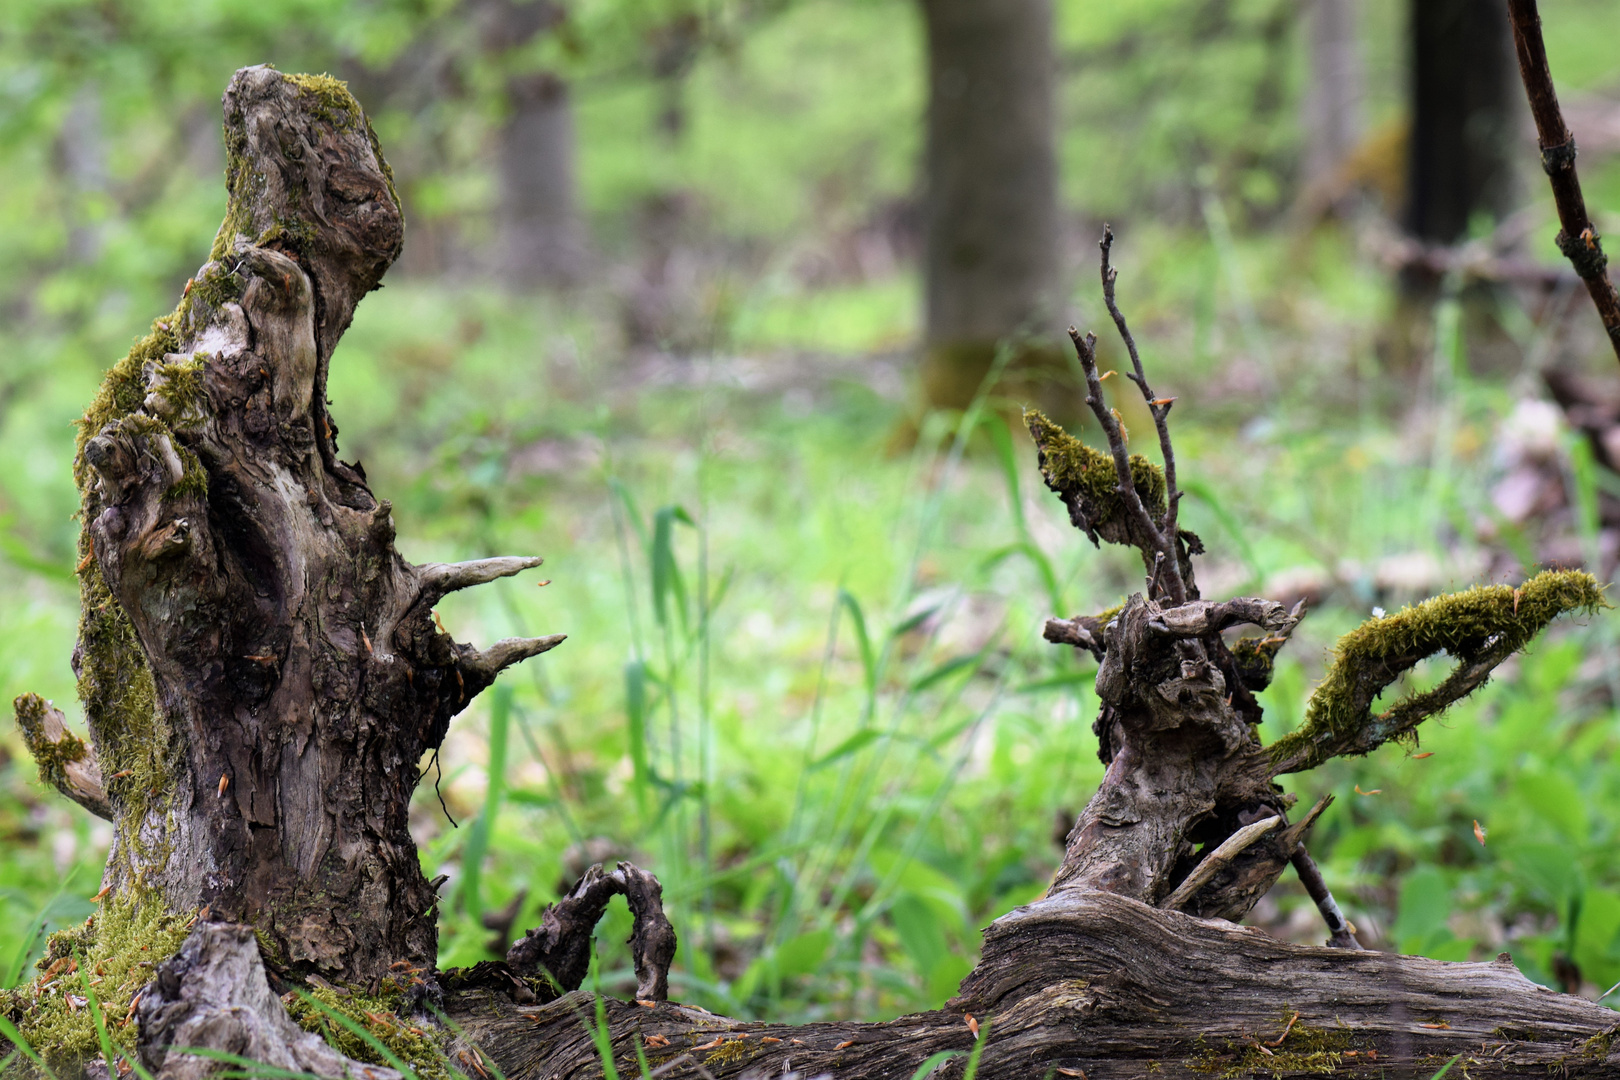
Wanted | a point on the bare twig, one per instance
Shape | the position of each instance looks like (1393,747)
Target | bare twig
(1160,409)
(1342,936)
(1578,239)
(1217,860)
(1086,347)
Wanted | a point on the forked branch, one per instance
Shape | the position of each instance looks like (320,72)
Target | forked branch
(1157,406)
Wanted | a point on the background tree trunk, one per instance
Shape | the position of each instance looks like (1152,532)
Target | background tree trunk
(1333,96)
(1464,103)
(541,239)
(992,225)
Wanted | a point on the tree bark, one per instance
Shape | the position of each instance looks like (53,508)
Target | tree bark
(1463,98)
(262,674)
(992,226)
(1332,107)
(260,667)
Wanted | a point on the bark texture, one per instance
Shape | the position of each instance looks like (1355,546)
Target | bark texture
(992,227)
(1098,983)
(257,660)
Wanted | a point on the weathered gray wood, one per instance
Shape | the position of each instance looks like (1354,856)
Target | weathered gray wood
(1100,983)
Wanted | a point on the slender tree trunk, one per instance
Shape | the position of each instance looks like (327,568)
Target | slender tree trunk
(541,236)
(542,239)
(1464,102)
(992,226)
(1332,110)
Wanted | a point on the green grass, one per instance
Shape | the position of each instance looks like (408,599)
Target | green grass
(804,682)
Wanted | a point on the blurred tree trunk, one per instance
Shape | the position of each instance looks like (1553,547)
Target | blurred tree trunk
(1332,112)
(1464,95)
(992,226)
(541,238)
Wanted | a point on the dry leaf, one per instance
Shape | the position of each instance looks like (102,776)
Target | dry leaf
(1479,832)
(657,1041)
(845,1045)
(1426,753)
(973,1025)
(1374,791)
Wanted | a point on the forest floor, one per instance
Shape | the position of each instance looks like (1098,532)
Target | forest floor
(804,681)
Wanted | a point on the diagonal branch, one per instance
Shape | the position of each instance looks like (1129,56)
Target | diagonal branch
(66,762)
(487,663)
(1578,238)
(1481,627)
(438,580)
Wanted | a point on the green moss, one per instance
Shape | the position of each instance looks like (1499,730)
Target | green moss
(124,387)
(119,949)
(1076,471)
(422,1048)
(329,100)
(1255,658)
(1303,1050)
(52,756)
(1486,621)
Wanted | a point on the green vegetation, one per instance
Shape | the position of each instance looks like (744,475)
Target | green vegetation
(804,681)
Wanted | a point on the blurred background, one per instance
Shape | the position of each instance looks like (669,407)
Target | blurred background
(727,308)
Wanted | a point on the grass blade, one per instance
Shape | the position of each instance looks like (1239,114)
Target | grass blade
(972,1069)
(857,619)
(933,1062)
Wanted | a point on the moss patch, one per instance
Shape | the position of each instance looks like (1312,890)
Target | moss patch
(1077,471)
(1303,1049)
(1494,620)
(119,949)
(328,100)
(422,1048)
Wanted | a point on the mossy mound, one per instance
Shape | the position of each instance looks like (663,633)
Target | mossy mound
(118,949)
(419,1046)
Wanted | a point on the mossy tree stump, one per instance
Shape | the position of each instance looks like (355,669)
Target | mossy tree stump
(262,675)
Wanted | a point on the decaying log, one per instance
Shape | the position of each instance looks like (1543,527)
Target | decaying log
(1098,983)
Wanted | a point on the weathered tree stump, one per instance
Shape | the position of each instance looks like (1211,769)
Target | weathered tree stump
(262,675)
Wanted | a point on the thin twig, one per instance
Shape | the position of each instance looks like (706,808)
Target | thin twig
(1218,860)
(1160,410)
(1578,239)
(1342,936)
(1086,347)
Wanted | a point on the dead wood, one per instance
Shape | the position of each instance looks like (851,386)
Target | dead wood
(262,675)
